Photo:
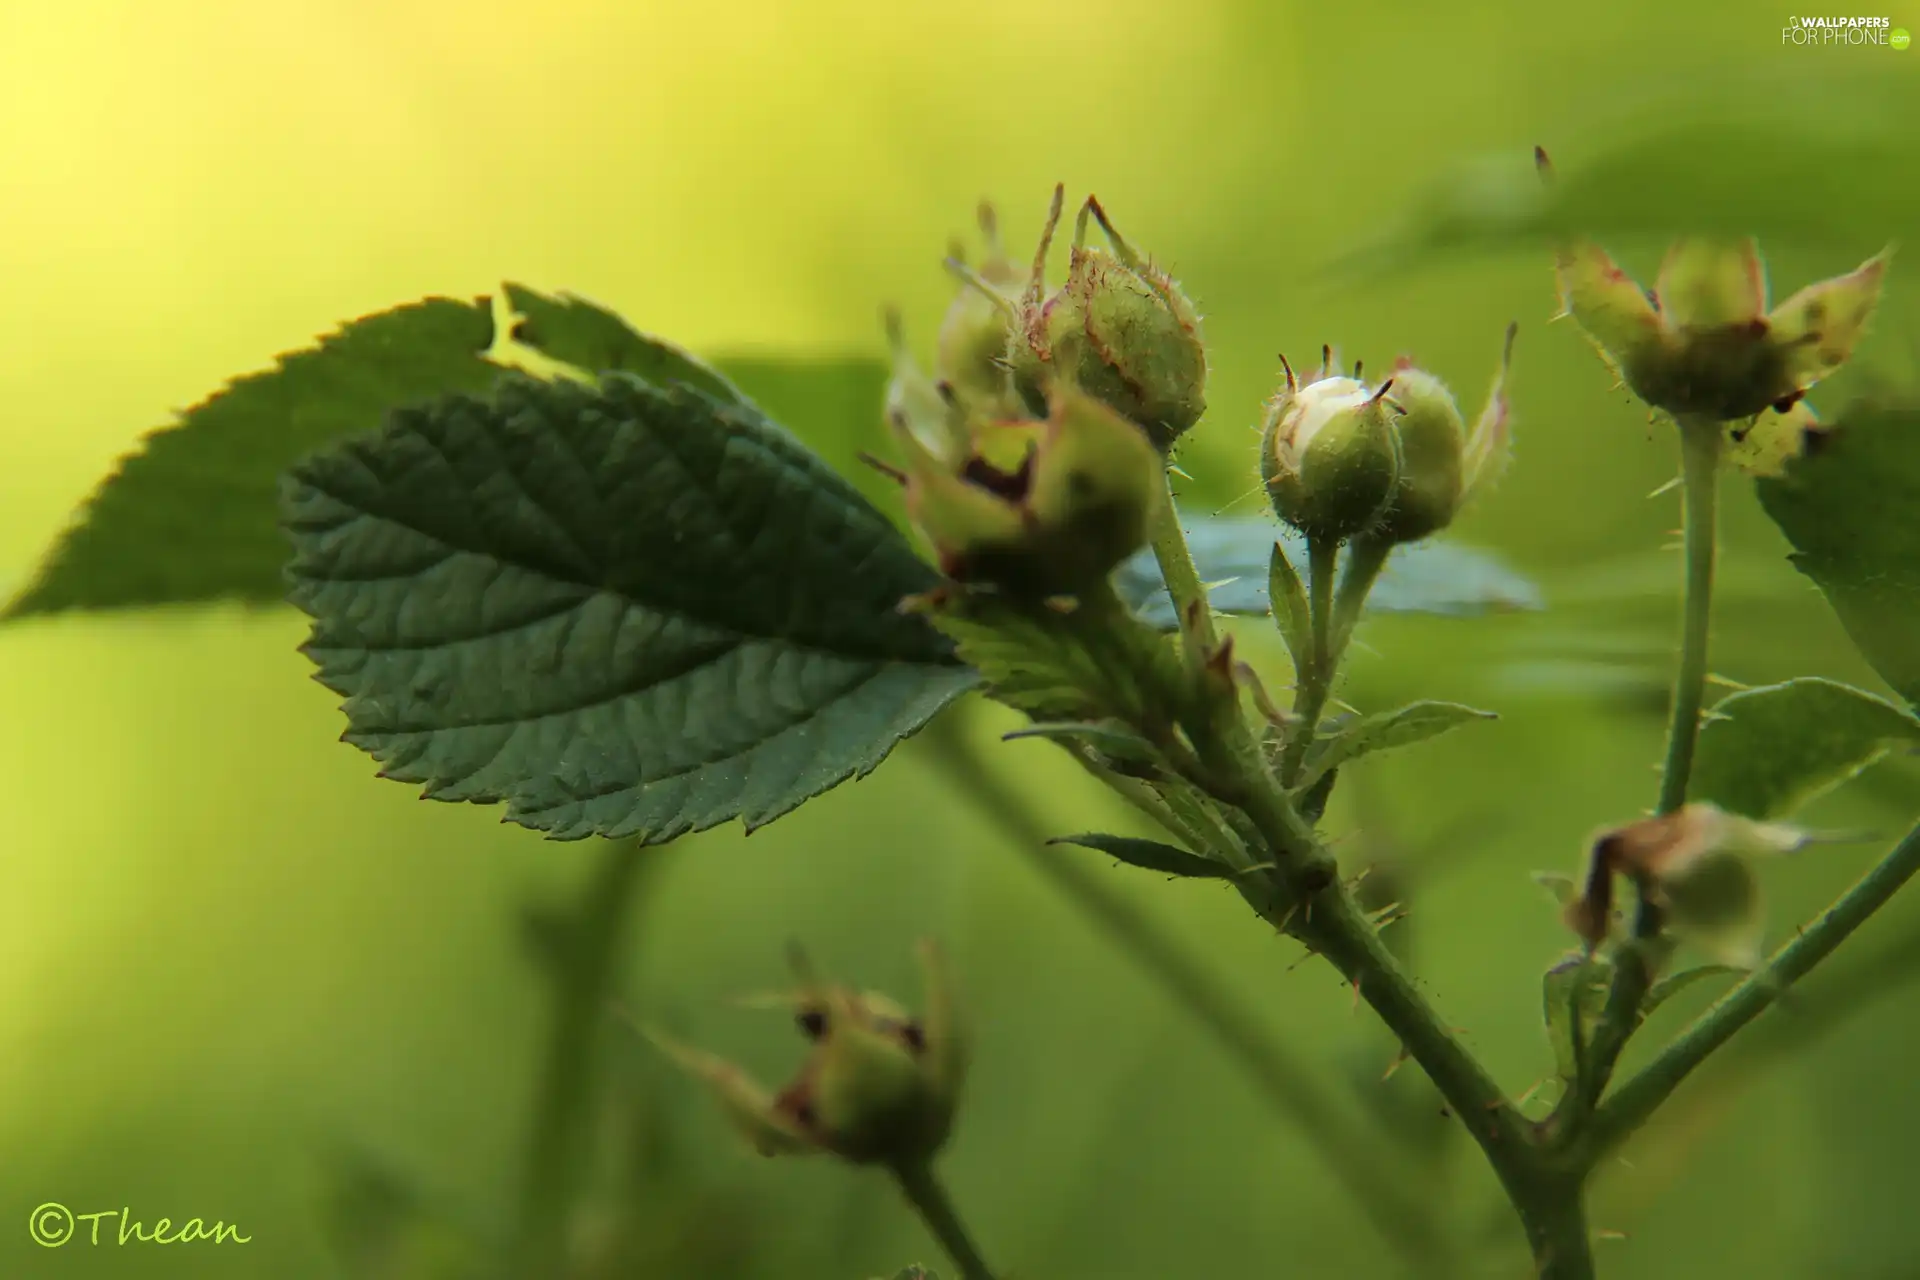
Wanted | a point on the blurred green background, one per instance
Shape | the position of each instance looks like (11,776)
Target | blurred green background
(231,954)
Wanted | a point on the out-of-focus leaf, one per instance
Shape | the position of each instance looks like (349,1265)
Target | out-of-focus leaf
(1712,162)
(1150,855)
(1765,752)
(1383,731)
(189,517)
(622,610)
(1849,508)
(1235,554)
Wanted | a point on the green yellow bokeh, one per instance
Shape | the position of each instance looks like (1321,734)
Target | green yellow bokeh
(228,948)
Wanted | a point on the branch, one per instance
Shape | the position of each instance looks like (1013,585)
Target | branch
(1351,1152)
(1638,1098)
(1634,965)
(583,951)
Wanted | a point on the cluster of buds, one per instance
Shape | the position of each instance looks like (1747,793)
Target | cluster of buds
(1392,464)
(1035,451)
(880,1086)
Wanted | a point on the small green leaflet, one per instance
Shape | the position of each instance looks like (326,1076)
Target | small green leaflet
(1383,731)
(1765,752)
(1151,855)
(1235,554)
(1674,983)
(624,610)
(1573,993)
(1848,505)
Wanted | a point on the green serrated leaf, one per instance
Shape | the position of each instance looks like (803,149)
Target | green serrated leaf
(1674,983)
(190,517)
(1151,855)
(1082,665)
(1765,752)
(1384,731)
(1847,506)
(1114,740)
(589,337)
(623,610)
(1573,994)
(1235,555)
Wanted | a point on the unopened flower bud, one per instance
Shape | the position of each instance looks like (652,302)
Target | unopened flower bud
(1120,329)
(1441,464)
(1703,343)
(915,402)
(879,1087)
(1330,456)
(1038,508)
(1698,866)
(971,355)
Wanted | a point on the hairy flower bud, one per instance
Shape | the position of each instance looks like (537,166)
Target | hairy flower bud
(1120,329)
(1039,508)
(1433,446)
(1441,463)
(879,1087)
(1703,343)
(971,351)
(1330,455)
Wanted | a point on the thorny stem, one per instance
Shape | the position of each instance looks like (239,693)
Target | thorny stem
(1637,1099)
(929,1199)
(1351,1153)
(1325,915)
(1700,446)
(587,949)
(1338,929)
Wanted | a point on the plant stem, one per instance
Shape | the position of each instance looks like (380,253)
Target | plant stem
(1324,914)
(1700,446)
(1640,1096)
(930,1200)
(588,939)
(1557,1231)
(1192,610)
(1350,1152)
(1316,682)
(1336,927)
(1365,560)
